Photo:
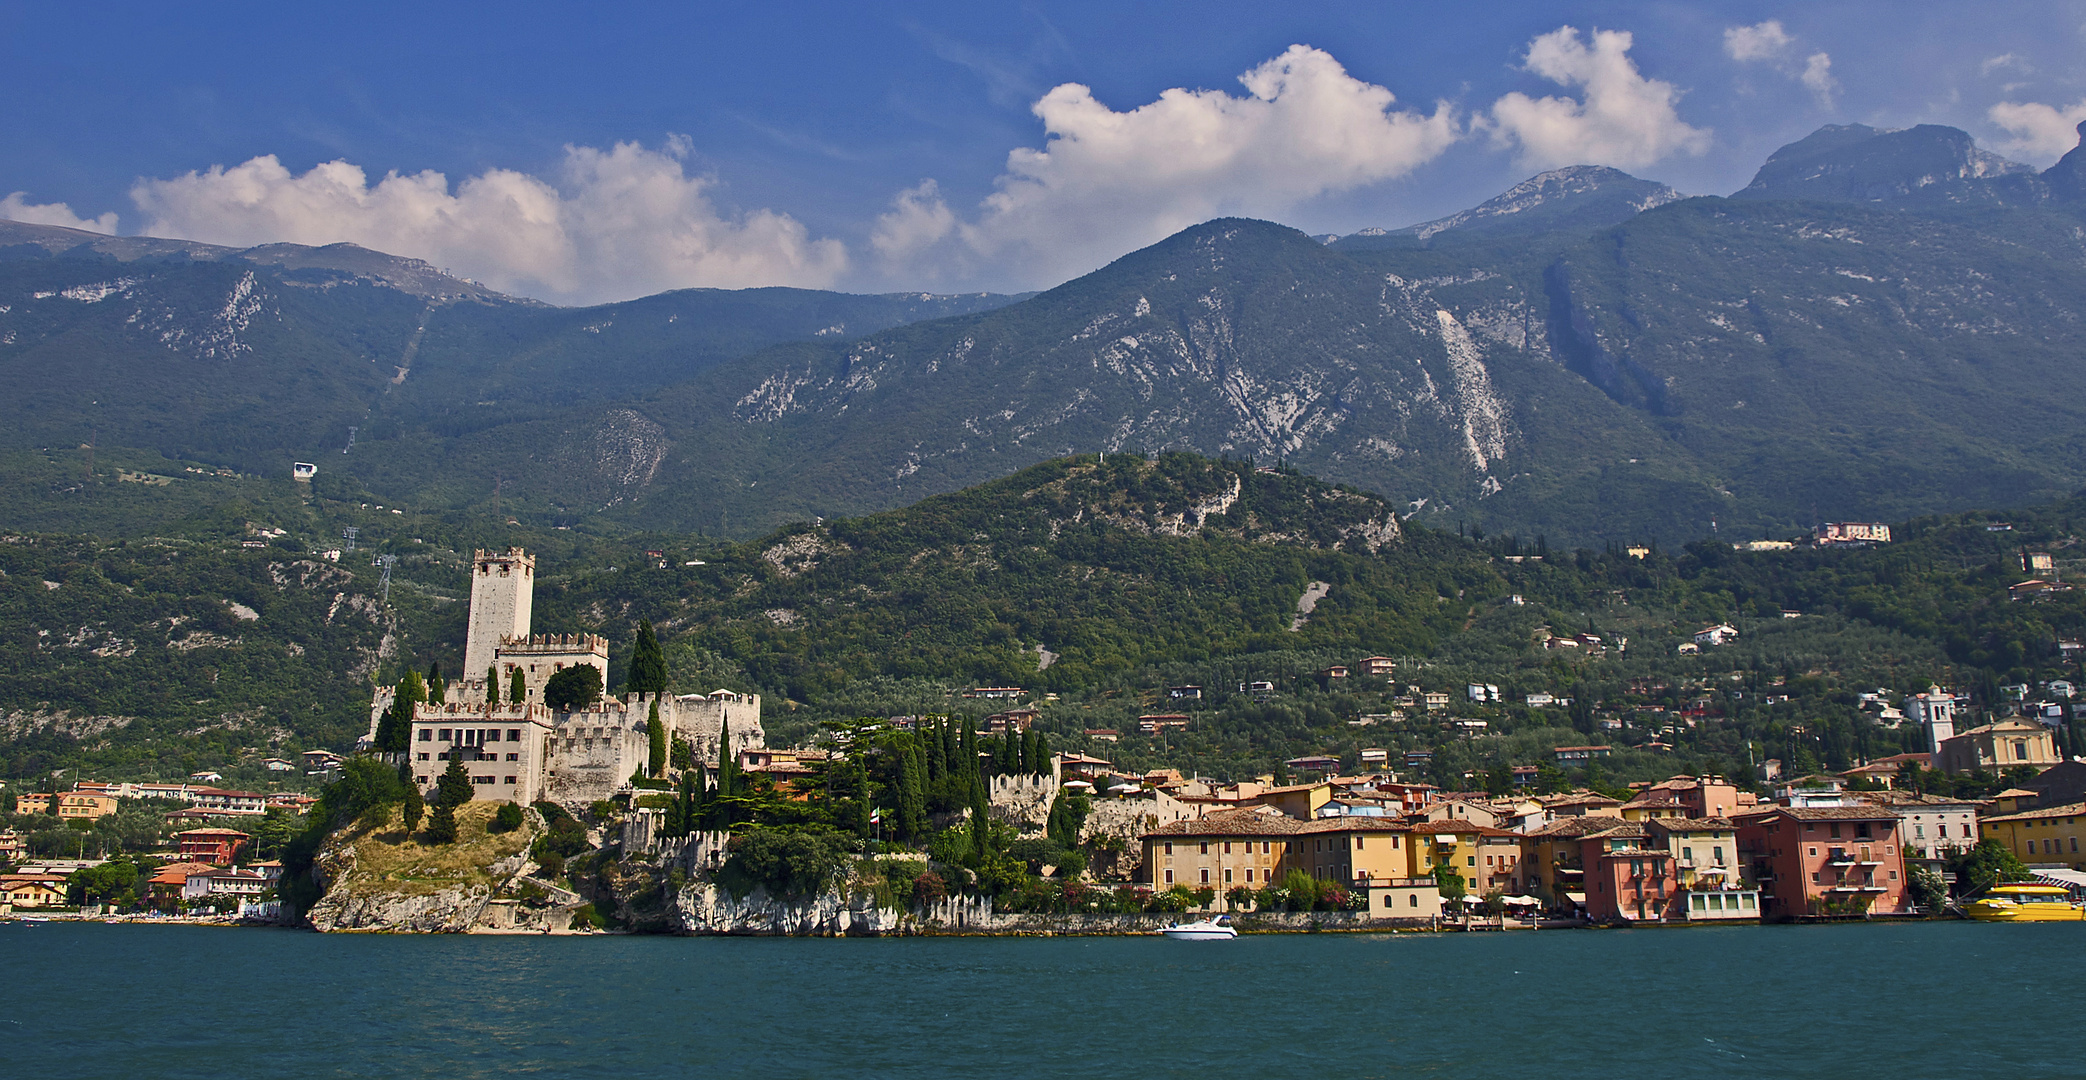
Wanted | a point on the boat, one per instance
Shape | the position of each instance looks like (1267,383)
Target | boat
(2026,903)
(1218,929)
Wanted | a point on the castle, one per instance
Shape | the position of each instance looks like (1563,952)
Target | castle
(523,751)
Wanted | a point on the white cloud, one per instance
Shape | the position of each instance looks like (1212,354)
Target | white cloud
(619,223)
(17,207)
(2040,132)
(1625,119)
(2002,61)
(1107,182)
(1769,43)
(1817,77)
(1763,41)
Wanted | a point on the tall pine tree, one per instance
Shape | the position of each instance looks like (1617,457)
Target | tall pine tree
(647,663)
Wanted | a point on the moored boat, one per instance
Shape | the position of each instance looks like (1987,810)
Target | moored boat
(1218,929)
(2026,903)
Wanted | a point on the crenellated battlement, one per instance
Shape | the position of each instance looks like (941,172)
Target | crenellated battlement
(548,644)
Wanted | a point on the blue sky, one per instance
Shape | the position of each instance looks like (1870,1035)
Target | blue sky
(582,153)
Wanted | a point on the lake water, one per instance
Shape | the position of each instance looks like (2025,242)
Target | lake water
(1910,1000)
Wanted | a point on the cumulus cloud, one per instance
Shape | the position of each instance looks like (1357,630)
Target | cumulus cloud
(1106,182)
(617,223)
(17,207)
(1622,119)
(1770,44)
(1763,41)
(2040,132)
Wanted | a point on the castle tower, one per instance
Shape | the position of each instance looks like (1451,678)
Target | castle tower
(503,585)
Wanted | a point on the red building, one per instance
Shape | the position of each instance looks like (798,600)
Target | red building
(216,846)
(1628,879)
(1824,860)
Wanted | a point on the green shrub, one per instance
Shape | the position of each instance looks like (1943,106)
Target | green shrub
(788,863)
(507,818)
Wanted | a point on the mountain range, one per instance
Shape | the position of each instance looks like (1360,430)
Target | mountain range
(1883,323)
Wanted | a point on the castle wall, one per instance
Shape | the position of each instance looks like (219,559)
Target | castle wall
(503,589)
(593,753)
(700,718)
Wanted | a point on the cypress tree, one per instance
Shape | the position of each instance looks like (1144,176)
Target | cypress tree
(981,840)
(937,754)
(517,688)
(454,787)
(1032,761)
(647,663)
(859,811)
(395,728)
(437,690)
(1042,754)
(414,808)
(1008,761)
(657,731)
(912,797)
(492,686)
(441,825)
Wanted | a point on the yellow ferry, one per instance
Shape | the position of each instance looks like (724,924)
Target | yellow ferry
(2026,903)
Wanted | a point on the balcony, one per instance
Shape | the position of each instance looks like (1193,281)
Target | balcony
(1839,857)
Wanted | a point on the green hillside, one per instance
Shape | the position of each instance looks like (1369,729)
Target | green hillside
(153,658)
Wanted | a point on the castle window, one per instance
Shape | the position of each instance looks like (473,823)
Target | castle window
(493,735)
(426,735)
(443,735)
(513,734)
(514,757)
(510,780)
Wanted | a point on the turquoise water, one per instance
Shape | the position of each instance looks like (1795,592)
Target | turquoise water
(1843,1001)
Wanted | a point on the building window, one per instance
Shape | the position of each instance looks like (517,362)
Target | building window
(1169,851)
(1919,832)
(1264,847)
(443,735)
(1227,875)
(426,735)
(423,755)
(1941,831)
(1169,877)
(1412,899)
(513,734)
(1249,875)
(1814,853)
(1227,847)
(1205,848)
(510,780)
(1473,860)
(1358,843)
(514,757)
(1387,899)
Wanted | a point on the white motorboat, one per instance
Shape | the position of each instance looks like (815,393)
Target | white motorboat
(1218,929)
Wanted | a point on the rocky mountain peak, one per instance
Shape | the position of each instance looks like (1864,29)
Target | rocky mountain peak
(1858,163)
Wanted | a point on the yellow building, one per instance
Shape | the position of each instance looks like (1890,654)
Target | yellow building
(1299,801)
(86,805)
(1350,849)
(1225,850)
(2041,837)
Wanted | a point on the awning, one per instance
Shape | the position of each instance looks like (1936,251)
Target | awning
(2072,879)
(1576,897)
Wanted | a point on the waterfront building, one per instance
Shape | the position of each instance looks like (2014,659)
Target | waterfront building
(1817,860)
(1225,849)
(2049,836)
